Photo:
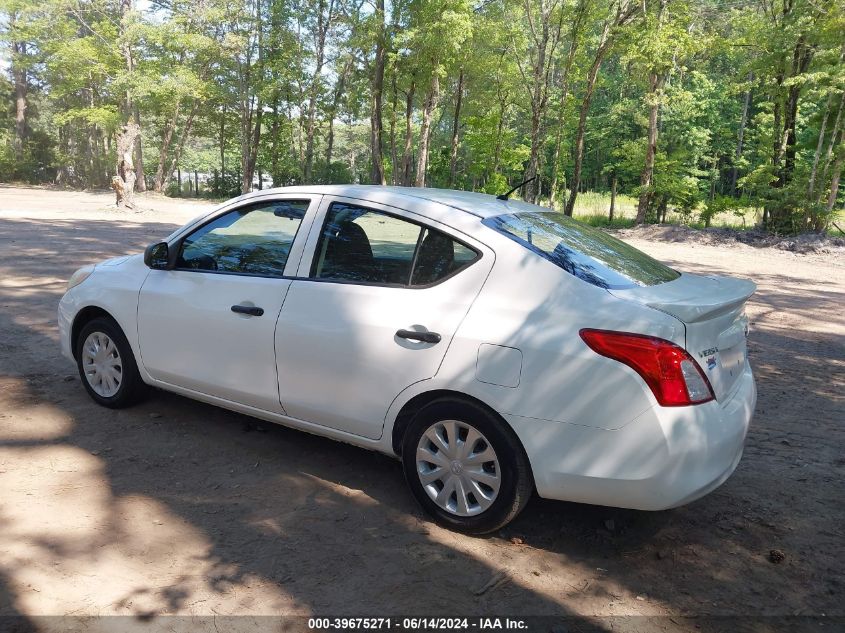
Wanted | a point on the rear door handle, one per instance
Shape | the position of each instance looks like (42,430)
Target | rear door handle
(425,337)
(250,310)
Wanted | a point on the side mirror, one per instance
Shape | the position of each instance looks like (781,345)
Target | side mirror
(157,256)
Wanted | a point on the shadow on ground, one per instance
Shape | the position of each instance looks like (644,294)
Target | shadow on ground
(179,507)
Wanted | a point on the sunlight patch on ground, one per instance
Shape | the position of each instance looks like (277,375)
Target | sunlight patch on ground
(131,552)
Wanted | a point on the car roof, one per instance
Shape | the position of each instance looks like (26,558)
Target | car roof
(481,205)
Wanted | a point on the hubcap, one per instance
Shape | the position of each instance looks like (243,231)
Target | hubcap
(458,468)
(101,364)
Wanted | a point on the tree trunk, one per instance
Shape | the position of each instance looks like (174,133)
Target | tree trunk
(544,37)
(655,85)
(222,152)
(394,161)
(249,154)
(801,58)
(741,134)
(140,182)
(158,180)
(63,170)
(834,183)
(819,145)
(275,148)
(656,81)
(785,148)
(19,76)
(124,182)
(377,87)
(252,109)
(186,131)
(453,164)
(246,105)
(833,135)
(425,128)
(338,94)
(575,33)
(662,209)
(497,151)
(714,176)
(323,23)
(196,183)
(822,130)
(592,75)
(612,198)
(625,11)
(130,107)
(407,156)
(790,123)
(90,157)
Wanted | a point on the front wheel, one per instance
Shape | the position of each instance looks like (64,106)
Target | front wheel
(107,365)
(466,467)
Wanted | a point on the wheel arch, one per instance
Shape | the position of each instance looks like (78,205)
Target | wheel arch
(421,400)
(86,315)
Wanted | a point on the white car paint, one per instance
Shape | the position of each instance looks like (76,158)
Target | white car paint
(324,358)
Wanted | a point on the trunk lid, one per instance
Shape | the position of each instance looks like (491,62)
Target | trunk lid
(712,309)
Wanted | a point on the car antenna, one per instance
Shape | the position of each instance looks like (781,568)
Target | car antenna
(505,196)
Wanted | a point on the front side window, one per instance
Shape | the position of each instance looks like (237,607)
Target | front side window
(583,251)
(366,246)
(253,240)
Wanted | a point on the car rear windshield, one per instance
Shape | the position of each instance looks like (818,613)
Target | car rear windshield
(586,252)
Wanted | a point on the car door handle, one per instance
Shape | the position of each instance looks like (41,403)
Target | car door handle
(425,337)
(250,310)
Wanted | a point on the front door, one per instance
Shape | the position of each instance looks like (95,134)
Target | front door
(208,324)
(374,313)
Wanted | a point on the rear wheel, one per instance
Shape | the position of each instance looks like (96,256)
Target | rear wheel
(106,364)
(465,466)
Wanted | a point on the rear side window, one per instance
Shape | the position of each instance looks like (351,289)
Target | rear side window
(583,251)
(366,246)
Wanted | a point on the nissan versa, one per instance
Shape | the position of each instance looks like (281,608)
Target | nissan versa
(495,346)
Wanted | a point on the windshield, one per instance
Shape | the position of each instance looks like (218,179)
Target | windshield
(586,252)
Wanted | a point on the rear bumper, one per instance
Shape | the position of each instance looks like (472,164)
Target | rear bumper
(664,458)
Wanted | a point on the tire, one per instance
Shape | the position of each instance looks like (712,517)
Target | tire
(102,351)
(495,490)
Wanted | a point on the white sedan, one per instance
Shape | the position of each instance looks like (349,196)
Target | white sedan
(496,347)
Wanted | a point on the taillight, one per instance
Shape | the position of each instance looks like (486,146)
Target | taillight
(674,377)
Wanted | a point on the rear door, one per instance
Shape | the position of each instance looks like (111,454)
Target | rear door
(372,311)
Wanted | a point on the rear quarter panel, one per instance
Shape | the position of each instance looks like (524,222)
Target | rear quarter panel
(532,305)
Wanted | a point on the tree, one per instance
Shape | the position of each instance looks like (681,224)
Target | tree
(123,182)
(544,22)
(437,29)
(575,35)
(693,107)
(622,13)
(377,87)
(323,14)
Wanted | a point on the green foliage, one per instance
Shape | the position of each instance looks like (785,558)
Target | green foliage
(220,83)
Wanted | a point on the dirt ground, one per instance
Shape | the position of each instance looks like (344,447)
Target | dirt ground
(176,507)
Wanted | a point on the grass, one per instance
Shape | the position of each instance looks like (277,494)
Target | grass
(601,220)
(592,208)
